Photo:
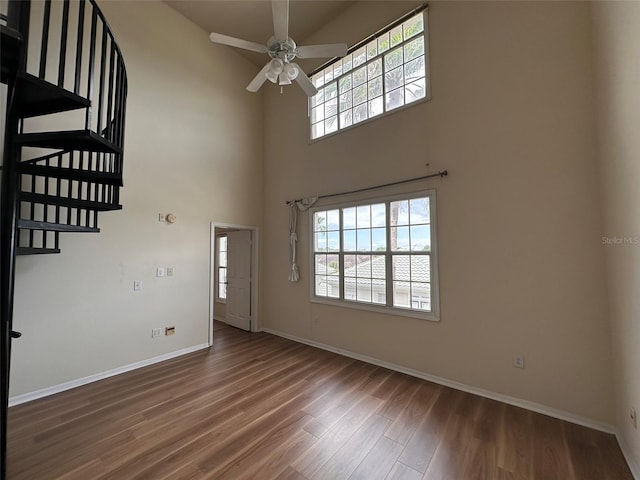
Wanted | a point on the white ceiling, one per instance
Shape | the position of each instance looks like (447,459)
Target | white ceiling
(252,20)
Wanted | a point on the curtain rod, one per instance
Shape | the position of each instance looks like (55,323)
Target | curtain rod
(441,174)
(383,30)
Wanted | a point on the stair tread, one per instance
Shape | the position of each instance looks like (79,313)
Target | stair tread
(77,140)
(35,96)
(105,178)
(54,227)
(68,202)
(36,251)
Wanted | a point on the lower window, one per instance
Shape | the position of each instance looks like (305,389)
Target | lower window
(378,254)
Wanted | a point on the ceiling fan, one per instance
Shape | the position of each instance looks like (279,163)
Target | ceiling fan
(282,50)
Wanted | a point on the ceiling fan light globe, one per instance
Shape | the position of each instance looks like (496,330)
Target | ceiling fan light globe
(272,77)
(283,79)
(291,71)
(276,66)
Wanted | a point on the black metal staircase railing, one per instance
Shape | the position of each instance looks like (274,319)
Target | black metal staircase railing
(58,57)
(96,75)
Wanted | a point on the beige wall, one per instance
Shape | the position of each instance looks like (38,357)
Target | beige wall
(521,264)
(193,148)
(617,42)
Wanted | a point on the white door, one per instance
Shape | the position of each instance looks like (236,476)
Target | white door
(239,279)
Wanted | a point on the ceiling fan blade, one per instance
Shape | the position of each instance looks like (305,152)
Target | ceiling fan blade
(280,9)
(305,82)
(237,42)
(322,51)
(259,79)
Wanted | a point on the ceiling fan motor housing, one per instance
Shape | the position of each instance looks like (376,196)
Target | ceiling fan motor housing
(285,51)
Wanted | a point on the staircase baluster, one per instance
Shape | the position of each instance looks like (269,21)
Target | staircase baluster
(92,61)
(45,38)
(103,187)
(63,43)
(69,188)
(80,188)
(103,55)
(32,208)
(109,127)
(116,104)
(58,190)
(79,43)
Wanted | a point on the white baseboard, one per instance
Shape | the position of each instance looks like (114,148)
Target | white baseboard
(535,407)
(45,392)
(631,461)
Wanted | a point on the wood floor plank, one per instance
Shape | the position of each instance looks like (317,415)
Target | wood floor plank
(406,423)
(272,450)
(449,458)
(336,402)
(257,406)
(291,474)
(582,447)
(379,461)
(615,465)
(398,401)
(480,461)
(332,441)
(400,471)
(515,448)
(279,457)
(550,456)
(342,464)
(425,440)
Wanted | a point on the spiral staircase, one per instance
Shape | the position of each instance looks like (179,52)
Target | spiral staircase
(65,89)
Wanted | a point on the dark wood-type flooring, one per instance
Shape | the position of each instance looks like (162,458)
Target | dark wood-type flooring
(257,406)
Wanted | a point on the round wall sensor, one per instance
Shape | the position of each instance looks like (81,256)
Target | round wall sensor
(171,218)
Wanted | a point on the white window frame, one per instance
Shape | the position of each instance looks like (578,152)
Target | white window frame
(220,299)
(336,63)
(434,314)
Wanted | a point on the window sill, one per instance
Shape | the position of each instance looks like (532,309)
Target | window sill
(431,316)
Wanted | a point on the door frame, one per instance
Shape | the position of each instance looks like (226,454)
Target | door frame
(255,270)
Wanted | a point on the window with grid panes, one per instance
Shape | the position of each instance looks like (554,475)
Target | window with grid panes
(385,73)
(222,268)
(377,255)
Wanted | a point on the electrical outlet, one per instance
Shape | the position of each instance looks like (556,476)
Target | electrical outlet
(160,272)
(634,417)
(169,271)
(156,332)
(169,330)
(518,361)
(137,285)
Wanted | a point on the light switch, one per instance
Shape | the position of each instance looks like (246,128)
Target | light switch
(160,272)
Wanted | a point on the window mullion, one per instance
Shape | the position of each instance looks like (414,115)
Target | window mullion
(384,83)
(388,257)
(341,256)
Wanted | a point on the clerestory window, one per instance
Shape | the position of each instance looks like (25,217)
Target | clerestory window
(381,74)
